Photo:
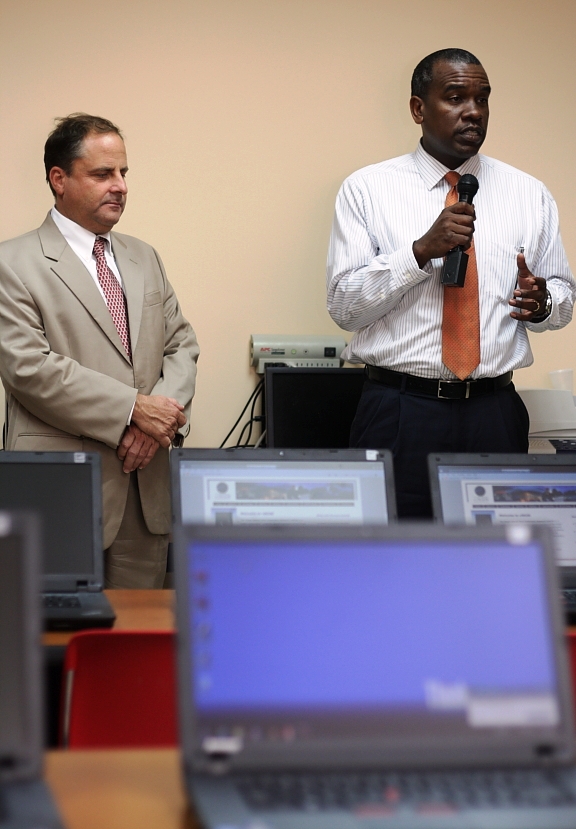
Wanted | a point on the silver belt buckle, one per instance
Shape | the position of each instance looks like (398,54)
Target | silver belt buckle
(452,382)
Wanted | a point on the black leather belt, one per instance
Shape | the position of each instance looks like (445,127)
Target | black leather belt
(444,389)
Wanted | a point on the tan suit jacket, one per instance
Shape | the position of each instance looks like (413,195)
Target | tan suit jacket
(69,383)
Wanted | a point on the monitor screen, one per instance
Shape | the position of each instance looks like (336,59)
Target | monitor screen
(282,492)
(490,494)
(311,407)
(311,639)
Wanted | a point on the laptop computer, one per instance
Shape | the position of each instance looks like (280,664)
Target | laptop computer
(25,800)
(65,489)
(500,488)
(409,677)
(287,486)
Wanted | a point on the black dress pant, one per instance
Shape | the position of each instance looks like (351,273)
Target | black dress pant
(413,426)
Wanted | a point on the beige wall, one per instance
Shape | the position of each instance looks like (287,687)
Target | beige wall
(242,117)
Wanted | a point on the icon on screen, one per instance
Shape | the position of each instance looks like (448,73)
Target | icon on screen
(202,602)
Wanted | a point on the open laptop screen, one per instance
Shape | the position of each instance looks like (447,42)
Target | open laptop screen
(492,489)
(413,639)
(62,491)
(284,486)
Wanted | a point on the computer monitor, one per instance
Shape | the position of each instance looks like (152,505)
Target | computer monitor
(311,407)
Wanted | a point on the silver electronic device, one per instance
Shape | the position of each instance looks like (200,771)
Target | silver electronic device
(295,351)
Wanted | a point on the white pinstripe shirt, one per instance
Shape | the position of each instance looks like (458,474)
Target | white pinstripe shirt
(376,288)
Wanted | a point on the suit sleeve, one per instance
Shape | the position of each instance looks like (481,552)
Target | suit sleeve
(178,377)
(55,388)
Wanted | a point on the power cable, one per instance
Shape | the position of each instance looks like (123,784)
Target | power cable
(256,392)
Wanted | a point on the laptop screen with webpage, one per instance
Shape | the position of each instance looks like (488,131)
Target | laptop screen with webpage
(499,489)
(288,486)
(412,647)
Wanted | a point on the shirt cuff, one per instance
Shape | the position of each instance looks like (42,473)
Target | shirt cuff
(403,263)
(130,415)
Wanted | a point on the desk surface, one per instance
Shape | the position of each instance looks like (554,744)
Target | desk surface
(135,610)
(119,789)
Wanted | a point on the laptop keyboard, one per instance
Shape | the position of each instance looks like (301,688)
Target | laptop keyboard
(60,600)
(424,792)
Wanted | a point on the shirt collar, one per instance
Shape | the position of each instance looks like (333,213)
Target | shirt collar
(78,237)
(433,171)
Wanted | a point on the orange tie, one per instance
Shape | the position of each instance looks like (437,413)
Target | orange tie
(461,314)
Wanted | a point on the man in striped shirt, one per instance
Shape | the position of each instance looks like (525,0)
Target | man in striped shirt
(390,235)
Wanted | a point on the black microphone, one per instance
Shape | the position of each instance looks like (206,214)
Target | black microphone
(456,262)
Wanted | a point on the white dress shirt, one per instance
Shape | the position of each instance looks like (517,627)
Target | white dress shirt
(376,288)
(82,243)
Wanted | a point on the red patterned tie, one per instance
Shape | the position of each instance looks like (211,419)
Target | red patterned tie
(115,299)
(461,312)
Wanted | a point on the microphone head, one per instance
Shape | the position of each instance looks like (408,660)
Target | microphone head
(468,186)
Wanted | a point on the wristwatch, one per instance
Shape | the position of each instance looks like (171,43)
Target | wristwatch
(547,309)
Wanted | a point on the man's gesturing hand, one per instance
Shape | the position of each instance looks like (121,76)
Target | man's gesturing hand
(136,449)
(453,227)
(530,295)
(158,416)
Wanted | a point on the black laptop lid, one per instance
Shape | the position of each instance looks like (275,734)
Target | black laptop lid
(65,489)
(20,699)
(406,644)
(504,488)
(288,486)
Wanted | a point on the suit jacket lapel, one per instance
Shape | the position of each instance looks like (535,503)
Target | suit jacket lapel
(66,265)
(130,270)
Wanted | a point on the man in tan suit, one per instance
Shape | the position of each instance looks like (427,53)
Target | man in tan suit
(95,355)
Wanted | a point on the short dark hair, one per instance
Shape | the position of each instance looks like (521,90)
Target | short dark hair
(422,75)
(64,144)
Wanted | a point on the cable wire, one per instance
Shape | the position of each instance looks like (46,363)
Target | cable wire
(256,391)
(253,419)
(260,439)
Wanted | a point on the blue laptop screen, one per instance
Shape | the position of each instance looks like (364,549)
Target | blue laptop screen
(371,628)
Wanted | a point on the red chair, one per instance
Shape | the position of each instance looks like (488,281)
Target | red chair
(119,690)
